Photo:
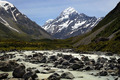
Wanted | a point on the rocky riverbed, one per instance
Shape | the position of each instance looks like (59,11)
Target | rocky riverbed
(58,65)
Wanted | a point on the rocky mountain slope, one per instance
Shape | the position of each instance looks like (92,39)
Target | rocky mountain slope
(70,23)
(15,25)
(105,36)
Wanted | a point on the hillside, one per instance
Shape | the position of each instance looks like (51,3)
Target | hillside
(15,25)
(105,36)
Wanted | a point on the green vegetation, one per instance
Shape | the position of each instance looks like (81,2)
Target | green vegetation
(111,27)
(109,17)
(109,30)
(108,46)
(44,44)
(117,36)
(6,33)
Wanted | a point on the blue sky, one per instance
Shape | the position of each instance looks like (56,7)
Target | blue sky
(42,10)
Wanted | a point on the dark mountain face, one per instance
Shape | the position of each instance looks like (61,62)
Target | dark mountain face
(115,13)
(105,36)
(70,23)
(19,25)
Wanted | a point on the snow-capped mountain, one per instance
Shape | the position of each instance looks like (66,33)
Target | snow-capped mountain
(17,24)
(70,23)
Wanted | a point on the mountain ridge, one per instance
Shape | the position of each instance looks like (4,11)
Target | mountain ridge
(19,23)
(70,23)
(103,37)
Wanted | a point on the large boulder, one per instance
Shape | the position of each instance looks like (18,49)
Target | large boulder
(102,60)
(54,76)
(19,71)
(56,63)
(112,60)
(67,57)
(37,55)
(74,60)
(75,66)
(29,75)
(117,78)
(53,58)
(3,76)
(118,60)
(8,65)
(85,58)
(60,60)
(67,75)
(92,62)
(103,73)
(43,59)
(65,63)
(87,68)
(98,66)
(78,65)
(111,66)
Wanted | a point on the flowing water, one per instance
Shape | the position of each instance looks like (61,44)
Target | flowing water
(79,75)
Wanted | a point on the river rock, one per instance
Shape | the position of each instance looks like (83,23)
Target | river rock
(19,71)
(53,58)
(109,54)
(67,75)
(102,60)
(37,71)
(37,55)
(117,78)
(8,65)
(67,57)
(98,66)
(85,58)
(43,59)
(112,60)
(87,68)
(118,60)
(56,63)
(54,76)
(15,79)
(103,73)
(65,63)
(4,75)
(75,66)
(29,75)
(73,60)
(60,60)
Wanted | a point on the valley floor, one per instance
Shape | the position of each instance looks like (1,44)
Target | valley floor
(59,65)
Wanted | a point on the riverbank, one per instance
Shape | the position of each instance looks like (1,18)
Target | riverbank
(54,64)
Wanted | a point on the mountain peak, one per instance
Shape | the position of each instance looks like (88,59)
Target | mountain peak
(15,25)
(50,20)
(5,4)
(70,23)
(68,11)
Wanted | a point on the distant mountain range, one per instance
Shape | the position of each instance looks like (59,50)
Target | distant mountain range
(15,25)
(70,23)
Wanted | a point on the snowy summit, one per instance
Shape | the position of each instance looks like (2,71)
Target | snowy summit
(68,11)
(5,4)
(70,23)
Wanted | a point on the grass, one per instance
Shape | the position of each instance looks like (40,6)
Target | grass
(107,46)
(44,44)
